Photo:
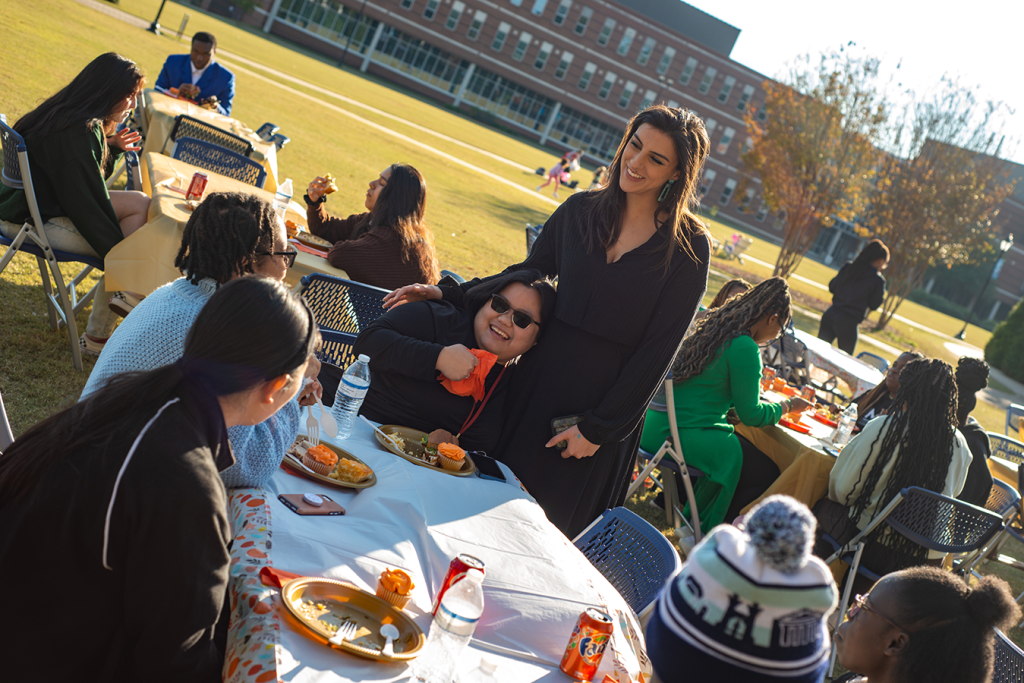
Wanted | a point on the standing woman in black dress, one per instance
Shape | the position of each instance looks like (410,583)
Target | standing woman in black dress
(632,264)
(858,289)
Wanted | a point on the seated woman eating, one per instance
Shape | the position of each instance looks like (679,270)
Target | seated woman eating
(718,368)
(915,444)
(972,377)
(390,245)
(412,348)
(123,487)
(227,237)
(876,401)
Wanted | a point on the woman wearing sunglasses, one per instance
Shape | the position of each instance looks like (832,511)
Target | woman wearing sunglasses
(924,624)
(413,348)
(717,368)
(227,237)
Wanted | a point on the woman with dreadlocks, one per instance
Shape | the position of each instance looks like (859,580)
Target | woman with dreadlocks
(972,377)
(227,237)
(632,264)
(876,401)
(390,244)
(718,368)
(858,288)
(915,444)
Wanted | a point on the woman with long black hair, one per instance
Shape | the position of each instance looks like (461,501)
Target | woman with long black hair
(632,263)
(972,377)
(915,444)
(875,401)
(390,244)
(119,495)
(857,289)
(72,140)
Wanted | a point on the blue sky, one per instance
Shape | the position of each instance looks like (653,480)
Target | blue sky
(980,42)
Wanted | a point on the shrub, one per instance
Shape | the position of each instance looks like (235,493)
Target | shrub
(1003,350)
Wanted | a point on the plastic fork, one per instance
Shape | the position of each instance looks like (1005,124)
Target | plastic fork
(345,632)
(312,427)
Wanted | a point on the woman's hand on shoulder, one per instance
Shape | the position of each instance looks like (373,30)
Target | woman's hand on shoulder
(410,293)
(316,188)
(578,446)
(126,140)
(456,362)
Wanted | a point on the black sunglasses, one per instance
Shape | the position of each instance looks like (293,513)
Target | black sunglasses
(292,255)
(500,305)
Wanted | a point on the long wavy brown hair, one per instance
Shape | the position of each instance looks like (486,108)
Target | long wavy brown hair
(733,319)
(602,222)
(723,294)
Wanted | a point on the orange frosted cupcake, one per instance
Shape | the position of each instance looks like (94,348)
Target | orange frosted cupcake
(451,456)
(320,459)
(395,586)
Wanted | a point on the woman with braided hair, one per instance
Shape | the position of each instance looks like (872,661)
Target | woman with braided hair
(876,401)
(228,236)
(972,377)
(718,368)
(925,624)
(915,444)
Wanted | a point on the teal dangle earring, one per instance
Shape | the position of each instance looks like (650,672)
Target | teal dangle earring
(665,190)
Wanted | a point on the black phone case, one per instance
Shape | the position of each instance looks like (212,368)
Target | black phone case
(560,424)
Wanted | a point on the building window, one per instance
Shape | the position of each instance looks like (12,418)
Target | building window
(747,199)
(666,59)
(542,56)
(627,40)
(748,92)
(453,16)
(606,32)
(645,52)
(417,59)
(407,4)
(780,220)
(538,7)
(521,47)
(672,103)
(606,85)
(508,100)
(684,78)
(723,94)
(336,23)
(478,23)
(762,113)
(563,65)
(431,9)
(723,144)
(587,75)
(710,126)
(582,21)
(627,94)
(705,183)
(578,131)
(709,77)
(748,145)
(648,99)
(563,9)
(762,213)
(516,3)
(499,37)
(730,186)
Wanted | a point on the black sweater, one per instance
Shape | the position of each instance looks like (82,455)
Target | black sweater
(979,479)
(151,615)
(403,346)
(854,293)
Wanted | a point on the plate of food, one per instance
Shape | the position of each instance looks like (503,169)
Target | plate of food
(330,464)
(311,240)
(795,426)
(426,450)
(322,606)
(821,414)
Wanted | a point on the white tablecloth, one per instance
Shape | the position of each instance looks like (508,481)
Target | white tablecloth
(857,374)
(537,583)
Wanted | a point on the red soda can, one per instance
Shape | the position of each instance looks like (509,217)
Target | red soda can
(197,187)
(586,644)
(456,570)
(808,394)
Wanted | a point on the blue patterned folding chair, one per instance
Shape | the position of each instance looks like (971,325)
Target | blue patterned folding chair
(280,140)
(64,303)
(1014,413)
(635,557)
(342,305)
(188,127)
(874,360)
(222,161)
(532,232)
(267,130)
(1009,661)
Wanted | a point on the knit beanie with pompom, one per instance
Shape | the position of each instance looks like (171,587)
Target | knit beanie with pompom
(749,605)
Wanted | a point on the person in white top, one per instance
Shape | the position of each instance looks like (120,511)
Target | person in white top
(915,444)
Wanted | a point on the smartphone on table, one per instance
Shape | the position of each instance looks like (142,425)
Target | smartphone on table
(487,467)
(300,504)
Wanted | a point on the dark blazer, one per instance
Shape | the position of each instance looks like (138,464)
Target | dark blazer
(215,81)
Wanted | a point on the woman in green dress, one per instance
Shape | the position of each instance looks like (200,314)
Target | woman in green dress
(718,368)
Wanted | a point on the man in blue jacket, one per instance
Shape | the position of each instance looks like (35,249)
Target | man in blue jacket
(198,77)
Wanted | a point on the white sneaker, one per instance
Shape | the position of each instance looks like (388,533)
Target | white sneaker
(538,188)
(91,347)
(556,195)
(123,303)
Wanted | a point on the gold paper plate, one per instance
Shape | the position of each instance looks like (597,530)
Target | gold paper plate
(413,441)
(296,461)
(311,240)
(333,602)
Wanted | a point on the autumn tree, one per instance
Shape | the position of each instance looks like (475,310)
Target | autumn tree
(939,186)
(815,152)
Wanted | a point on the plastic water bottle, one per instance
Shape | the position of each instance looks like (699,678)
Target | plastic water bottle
(483,673)
(351,391)
(283,197)
(453,626)
(846,423)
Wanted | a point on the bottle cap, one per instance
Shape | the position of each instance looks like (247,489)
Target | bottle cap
(364,358)
(313,499)
(475,575)
(488,665)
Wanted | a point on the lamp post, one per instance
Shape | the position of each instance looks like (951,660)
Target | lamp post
(155,26)
(1004,246)
(355,28)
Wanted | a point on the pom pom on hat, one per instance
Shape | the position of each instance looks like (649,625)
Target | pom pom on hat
(782,531)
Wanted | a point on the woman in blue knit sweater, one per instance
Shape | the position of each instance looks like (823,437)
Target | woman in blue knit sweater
(246,237)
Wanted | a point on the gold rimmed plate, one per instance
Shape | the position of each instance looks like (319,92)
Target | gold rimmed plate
(296,463)
(414,449)
(321,606)
(311,240)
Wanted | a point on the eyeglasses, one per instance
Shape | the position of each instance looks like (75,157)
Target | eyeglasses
(500,305)
(861,602)
(291,255)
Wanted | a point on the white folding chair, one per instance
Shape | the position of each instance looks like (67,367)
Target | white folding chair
(1013,415)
